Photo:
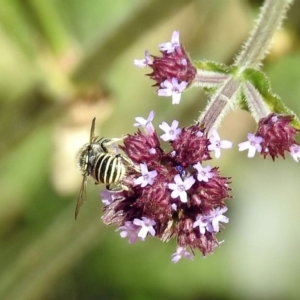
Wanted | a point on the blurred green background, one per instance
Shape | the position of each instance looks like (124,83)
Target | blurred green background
(63,62)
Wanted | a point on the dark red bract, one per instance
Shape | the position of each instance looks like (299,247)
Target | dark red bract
(278,134)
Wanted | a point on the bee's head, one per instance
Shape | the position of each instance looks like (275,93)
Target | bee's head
(82,157)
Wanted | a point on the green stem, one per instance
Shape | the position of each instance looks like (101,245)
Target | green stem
(50,24)
(251,56)
(260,40)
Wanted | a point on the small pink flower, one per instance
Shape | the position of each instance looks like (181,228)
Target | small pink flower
(180,187)
(146,123)
(216,143)
(181,252)
(147,176)
(131,231)
(148,60)
(172,88)
(108,196)
(295,152)
(253,144)
(204,173)
(169,47)
(145,226)
(171,132)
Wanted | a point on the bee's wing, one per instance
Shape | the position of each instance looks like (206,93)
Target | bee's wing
(82,195)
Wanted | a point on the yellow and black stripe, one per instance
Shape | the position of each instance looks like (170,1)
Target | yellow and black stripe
(108,168)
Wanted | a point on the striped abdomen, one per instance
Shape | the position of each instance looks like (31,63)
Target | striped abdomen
(108,168)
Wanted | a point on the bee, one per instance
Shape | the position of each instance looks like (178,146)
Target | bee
(95,160)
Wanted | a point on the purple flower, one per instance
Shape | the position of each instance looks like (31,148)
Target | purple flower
(108,197)
(146,225)
(169,193)
(216,144)
(173,63)
(253,144)
(278,134)
(146,123)
(147,176)
(215,218)
(169,47)
(172,88)
(211,221)
(201,223)
(204,173)
(171,132)
(181,252)
(131,231)
(295,152)
(180,187)
(148,60)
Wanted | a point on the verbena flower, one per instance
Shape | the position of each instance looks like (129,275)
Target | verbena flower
(148,60)
(274,135)
(216,144)
(295,152)
(145,123)
(147,176)
(171,191)
(180,187)
(172,88)
(130,231)
(172,72)
(181,252)
(171,132)
(253,144)
(204,173)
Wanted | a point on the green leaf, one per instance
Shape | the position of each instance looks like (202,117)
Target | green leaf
(213,66)
(261,82)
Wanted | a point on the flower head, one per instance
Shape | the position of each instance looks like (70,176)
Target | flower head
(171,194)
(278,135)
(191,146)
(173,72)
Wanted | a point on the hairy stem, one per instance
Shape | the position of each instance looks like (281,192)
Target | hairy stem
(251,56)
(257,46)
(219,104)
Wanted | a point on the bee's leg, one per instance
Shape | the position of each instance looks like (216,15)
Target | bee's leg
(129,162)
(107,142)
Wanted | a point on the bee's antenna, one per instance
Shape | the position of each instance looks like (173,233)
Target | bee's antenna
(92,130)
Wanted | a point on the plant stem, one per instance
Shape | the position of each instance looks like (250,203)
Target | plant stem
(260,39)
(219,104)
(251,56)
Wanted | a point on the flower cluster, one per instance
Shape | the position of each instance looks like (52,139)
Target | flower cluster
(173,72)
(274,135)
(174,194)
